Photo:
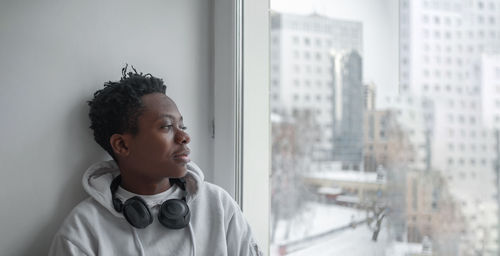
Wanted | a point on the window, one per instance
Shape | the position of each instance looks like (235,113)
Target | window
(436,125)
(318,56)
(318,42)
(451,147)
(296,68)
(307,55)
(437,20)
(425,19)
(307,41)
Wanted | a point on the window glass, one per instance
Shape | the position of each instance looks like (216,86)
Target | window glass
(397,153)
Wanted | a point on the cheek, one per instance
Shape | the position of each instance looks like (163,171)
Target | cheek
(147,147)
(161,144)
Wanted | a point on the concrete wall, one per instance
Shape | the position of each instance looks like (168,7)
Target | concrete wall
(53,56)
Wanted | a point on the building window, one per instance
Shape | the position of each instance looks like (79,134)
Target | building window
(307,41)
(318,56)
(307,55)
(437,20)
(425,19)
(318,42)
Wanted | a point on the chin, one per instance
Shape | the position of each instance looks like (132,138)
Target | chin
(179,172)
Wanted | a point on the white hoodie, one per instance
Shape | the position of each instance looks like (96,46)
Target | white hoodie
(94,227)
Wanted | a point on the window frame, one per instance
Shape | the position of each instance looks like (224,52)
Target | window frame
(256,118)
(241,84)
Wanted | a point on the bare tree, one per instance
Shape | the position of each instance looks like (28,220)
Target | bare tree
(293,141)
(376,214)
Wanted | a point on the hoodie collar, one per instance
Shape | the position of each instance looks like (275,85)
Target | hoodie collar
(97,179)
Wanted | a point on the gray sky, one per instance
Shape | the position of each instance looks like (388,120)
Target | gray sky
(380,33)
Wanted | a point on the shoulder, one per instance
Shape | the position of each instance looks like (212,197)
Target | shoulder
(80,221)
(239,238)
(77,231)
(86,209)
(216,192)
(215,199)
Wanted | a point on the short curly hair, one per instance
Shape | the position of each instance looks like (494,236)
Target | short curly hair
(116,108)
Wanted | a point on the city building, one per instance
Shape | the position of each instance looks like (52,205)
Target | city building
(348,108)
(385,143)
(442,49)
(490,78)
(413,116)
(432,212)
(301,67)
(370,96)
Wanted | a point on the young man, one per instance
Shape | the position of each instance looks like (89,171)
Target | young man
(150,199)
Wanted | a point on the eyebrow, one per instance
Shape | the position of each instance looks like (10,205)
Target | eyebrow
(169,116)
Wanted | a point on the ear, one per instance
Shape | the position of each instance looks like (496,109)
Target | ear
(120,144)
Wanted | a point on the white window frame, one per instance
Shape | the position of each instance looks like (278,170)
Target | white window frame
(241,108)
(256,118)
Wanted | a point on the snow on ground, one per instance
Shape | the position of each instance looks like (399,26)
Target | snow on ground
(350,242)
(398,249)
(316,219)
(356,241)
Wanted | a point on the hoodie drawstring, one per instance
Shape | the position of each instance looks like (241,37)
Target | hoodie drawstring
(191,233)
(137,241)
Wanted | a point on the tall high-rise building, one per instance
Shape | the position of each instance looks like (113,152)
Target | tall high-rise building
(370,95)
(301,67)
(442,45)
(348,108)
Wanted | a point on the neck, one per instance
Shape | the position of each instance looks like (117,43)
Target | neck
(142,185)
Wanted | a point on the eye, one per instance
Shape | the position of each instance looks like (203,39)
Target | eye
(167,126)
(183,127)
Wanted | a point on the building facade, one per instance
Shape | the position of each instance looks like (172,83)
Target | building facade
(301,67)
(348,108)
(442,49)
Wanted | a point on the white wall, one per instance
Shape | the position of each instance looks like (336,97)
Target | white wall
(53,56)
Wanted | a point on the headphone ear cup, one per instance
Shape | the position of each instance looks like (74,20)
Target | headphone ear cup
(137,212)
(174,214)
(117,204)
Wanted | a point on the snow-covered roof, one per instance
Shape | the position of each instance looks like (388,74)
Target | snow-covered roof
(352,176)
(329,191)
(348,199)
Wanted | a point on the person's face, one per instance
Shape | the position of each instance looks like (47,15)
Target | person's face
(159,149)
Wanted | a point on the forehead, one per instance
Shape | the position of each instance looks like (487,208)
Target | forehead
(157,105)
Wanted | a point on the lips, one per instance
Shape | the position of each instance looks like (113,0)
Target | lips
(182,155)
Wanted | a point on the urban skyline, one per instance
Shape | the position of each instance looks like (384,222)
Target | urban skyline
(446,106)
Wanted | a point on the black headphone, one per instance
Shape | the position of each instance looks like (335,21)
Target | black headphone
(173,214)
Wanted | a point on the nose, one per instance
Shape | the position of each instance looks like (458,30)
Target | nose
(182,137)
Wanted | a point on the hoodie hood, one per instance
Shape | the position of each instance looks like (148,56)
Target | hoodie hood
(97,180)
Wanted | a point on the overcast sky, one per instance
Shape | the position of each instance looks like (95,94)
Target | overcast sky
(380,33)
